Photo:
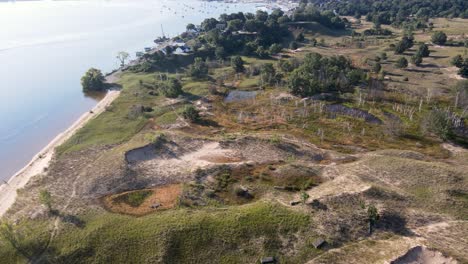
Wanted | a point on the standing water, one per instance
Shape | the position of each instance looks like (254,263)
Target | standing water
(46,46)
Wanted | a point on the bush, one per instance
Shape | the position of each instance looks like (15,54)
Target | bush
(171,88)
(401,63)
(417,59)
(191,113)
(198,69)
(424,50)
(439,38)
(457,61)
(93,80)
(293,45)
(437,122)
(275,48)
(238,64)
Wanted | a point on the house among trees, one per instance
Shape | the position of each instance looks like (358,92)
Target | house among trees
(181,48)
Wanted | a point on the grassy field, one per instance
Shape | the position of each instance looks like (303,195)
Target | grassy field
(183,236)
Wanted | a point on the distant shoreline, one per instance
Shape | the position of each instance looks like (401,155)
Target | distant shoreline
(41,161)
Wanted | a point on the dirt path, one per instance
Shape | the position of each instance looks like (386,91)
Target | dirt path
(41,161)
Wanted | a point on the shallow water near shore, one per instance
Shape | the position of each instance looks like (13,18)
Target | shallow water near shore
(46,46)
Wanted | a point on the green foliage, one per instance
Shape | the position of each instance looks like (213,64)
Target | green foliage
(198,69)
(424,50)
(46,199)
(376,67)
(293,45)
(93,80)
(396,11)
(310,79)
(372,216)
(171,88)
(135,198)
(439,38)
(181,236)
(457,61)
(191,113)
(405,43)
(401,63)
(275,48)
(268,74)
(238,64)
(304,197)
(220,53)
(438,123)
(417,59)
(463,71)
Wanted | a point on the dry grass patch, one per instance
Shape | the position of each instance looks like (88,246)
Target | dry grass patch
(142,202)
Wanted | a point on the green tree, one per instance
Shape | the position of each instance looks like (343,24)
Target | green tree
(122,56)
(463,71)
(198,69)
(191,113)
(171,88)
(293,45)
(304,197)
(439,38)
(424,50)
(417,59)
(401,63)
(267,73)
(457,61)
(376,67)
(372,216)
(93,80)
(399,48)
(220,53)
(275,48)
(190,26)
(238,64)
(437,122)
(300,37)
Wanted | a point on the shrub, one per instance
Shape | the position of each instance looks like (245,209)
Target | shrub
(424,50)
(417,59)
(401,63)
(293,45)
(439,38)
(191,113)
(238,64)
(437,122)
(198,69)
(171,88)
(457,61)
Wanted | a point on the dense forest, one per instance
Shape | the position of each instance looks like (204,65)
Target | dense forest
(396,11)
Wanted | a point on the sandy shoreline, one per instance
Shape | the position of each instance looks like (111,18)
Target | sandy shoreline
(42,160)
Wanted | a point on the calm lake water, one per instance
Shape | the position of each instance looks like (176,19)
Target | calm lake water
(46,46)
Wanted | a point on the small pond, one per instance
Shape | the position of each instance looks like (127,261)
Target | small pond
(235,96)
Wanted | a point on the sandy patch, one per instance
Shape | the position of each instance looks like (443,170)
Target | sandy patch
(420,254)
(163,197)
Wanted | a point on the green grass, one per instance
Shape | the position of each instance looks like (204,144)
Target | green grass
(183,236)
(135,198)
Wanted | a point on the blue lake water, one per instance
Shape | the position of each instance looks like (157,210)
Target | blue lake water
(46,46)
